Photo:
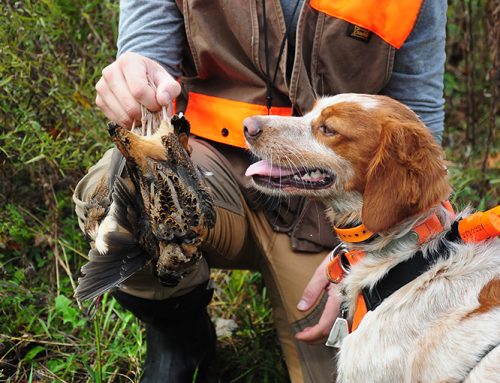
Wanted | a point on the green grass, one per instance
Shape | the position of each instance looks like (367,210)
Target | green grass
(46,337)
(51,55)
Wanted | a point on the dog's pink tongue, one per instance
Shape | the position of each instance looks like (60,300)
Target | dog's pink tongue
(263,168)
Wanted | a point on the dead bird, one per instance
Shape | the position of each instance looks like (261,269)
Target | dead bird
(160,213)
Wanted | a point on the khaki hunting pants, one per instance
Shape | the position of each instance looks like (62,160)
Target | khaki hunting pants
(241,239)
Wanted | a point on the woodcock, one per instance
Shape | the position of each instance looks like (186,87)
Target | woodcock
(159,211)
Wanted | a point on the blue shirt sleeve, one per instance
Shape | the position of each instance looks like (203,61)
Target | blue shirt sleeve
(418,74)
(152,28)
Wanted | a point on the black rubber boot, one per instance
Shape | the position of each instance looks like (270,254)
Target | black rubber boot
(179,333)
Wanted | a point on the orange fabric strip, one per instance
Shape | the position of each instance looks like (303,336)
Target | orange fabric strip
(392,20)
(334,271)
(359,313)
(480,226)
(354,234)
(221,120)
(432,225)
(428,228)
(447,205)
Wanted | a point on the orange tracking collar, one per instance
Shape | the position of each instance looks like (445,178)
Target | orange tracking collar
(354,234)
(475,228)
(342,260)
(360,233)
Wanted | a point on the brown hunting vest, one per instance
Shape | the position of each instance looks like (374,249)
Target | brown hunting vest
(340,46)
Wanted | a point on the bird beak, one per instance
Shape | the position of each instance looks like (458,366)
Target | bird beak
(119,137)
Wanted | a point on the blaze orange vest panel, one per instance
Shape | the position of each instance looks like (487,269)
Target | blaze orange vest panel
(392,20)
(218,118)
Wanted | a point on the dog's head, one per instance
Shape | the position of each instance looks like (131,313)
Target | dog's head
(351,144)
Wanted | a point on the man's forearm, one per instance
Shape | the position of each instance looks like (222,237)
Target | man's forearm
(154,29)
(418,73)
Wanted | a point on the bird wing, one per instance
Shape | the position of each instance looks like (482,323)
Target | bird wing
(162,212)
(179,207)
(117,254)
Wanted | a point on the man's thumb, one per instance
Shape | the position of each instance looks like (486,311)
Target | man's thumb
(167,89)
(312,291)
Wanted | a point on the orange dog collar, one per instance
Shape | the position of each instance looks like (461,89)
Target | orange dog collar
(360,233)
(354,234)
(342,260)
(477,227)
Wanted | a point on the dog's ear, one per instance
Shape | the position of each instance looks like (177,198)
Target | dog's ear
(406,176)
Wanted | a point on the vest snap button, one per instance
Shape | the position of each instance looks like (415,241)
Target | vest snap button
(224,132)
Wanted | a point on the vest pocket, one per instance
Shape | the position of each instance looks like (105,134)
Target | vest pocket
(348,58)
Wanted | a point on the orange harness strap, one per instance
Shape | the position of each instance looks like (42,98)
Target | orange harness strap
(359,313)
(343,260)
(475,228)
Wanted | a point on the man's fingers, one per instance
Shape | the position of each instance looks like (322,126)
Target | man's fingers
(139,82)
(133,80)
(109,104)
(314,288)
(116,84)
(101,104)
(319,332)
(312,292)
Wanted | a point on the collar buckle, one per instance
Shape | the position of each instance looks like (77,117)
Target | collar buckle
(340,264)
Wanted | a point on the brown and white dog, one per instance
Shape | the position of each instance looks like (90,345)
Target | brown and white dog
(372,161)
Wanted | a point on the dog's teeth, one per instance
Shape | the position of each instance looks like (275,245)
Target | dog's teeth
(306,177)
(316,175)
(296,177)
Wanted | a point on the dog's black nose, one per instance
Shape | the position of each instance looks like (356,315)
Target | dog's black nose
(252,127)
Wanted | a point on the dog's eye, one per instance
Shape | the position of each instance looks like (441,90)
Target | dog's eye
(327,131)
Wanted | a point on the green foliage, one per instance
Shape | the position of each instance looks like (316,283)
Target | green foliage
(252,354)
(471,91)
(51,55)
(13,225)
(68,313)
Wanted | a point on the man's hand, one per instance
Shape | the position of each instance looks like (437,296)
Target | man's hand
(130,81)
(312,292)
